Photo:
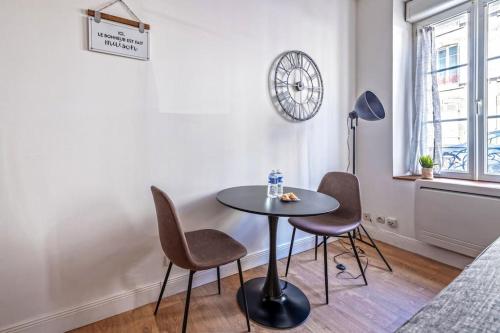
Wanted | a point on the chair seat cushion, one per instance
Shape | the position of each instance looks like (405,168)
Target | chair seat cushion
(325,225)
(211,248)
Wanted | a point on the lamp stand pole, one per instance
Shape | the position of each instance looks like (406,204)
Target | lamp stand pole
(353,116)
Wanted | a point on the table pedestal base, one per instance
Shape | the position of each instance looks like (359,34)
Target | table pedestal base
(290,310)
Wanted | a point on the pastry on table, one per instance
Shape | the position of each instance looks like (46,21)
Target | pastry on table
(289,197)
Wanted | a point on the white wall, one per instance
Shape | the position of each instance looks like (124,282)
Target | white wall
(383,40)
(83,135)
(402,87)
(374,56)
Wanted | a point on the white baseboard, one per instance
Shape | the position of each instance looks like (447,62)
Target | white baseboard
(111,305)
(419,247)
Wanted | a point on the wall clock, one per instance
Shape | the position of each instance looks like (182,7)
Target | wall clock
(298,85)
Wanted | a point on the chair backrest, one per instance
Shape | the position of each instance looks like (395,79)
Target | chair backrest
(172,237)
(344,187)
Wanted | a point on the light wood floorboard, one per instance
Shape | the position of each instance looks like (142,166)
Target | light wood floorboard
(382,306)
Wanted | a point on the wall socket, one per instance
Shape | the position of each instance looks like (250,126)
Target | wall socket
(367,217)
(380,219)
(392,222)
(165,262)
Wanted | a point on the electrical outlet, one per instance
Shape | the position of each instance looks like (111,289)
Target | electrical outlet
(165,262)
(367,217)
(392,222)
(380,219)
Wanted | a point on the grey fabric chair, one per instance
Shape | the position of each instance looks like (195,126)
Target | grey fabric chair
(195,250)
(346,220)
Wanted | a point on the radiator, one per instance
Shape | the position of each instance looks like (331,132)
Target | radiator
(461,216)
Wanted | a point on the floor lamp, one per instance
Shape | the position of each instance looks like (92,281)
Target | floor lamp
(367,107)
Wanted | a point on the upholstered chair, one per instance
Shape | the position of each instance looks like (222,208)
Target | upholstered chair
(195,250)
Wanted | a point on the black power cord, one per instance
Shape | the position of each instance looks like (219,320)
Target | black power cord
(348,250)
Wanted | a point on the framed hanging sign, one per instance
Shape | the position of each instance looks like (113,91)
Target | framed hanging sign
(116,35)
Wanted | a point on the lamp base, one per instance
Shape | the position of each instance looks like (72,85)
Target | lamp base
(291,310)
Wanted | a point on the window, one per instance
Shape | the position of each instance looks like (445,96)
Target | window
(447,67)
(461,122)
(451,36)
(493,88)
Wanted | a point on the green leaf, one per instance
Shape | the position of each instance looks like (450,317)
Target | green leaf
(426,161)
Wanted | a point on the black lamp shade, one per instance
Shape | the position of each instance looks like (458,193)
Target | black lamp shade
(368,107)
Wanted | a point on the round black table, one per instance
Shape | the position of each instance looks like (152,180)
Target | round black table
(273,302)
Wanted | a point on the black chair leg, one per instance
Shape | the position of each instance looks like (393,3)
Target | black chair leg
(244,294)
(218,279)
(376,248)
(315,247)
(290,252)
(188,298)
(325,259)
(357,258)
(359,234)
(163,287)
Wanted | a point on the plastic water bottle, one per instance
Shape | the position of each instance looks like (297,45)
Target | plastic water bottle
(272,185)
(279,184)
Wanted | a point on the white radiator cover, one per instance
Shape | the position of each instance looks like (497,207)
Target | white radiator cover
(461,216)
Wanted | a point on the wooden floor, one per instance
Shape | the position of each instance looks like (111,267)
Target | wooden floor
(382,306)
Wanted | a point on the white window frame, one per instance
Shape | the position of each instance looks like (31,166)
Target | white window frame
(456,11)
(482,93)
(477,119)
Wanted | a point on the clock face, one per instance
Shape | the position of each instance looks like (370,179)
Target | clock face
(298,85)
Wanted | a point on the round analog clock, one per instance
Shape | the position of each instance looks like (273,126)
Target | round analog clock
(298,85)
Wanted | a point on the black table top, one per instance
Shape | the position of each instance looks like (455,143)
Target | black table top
(253,199)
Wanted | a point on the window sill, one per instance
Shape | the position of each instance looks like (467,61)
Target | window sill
(477,183)
(410,178)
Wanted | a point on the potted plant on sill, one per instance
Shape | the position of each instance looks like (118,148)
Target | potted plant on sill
(427,165)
